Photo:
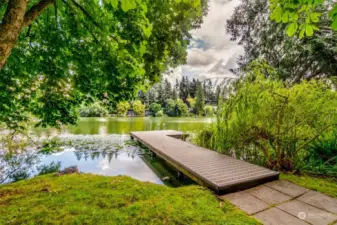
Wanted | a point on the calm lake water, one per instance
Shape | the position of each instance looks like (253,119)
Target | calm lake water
(102,146)
(124,125)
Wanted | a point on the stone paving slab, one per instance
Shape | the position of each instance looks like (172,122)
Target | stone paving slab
(319,200)
(268,195)
(287,187)
(275,216)
(308,213)
(246,202)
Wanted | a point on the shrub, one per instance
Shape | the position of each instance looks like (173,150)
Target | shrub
(209,110)
(321,156)
(154,109)
(181,108)
(138,108)
(51,168)
(191,102)
(159,113)
(265,116)
(122,108)
(93,110)
(170,109)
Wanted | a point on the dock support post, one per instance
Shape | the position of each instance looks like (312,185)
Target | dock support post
(180,175)
(153,155)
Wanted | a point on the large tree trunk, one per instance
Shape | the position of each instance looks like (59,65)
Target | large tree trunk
(14,20)
(11,27)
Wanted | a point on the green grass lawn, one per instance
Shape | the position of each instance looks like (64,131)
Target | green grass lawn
(326,186)
(92,199)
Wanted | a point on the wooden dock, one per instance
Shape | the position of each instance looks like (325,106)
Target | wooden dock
(208,168)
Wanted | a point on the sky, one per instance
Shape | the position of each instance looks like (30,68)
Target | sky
(211,52)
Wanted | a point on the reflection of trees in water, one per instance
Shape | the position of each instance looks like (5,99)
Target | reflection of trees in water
(14,167)
(95,155)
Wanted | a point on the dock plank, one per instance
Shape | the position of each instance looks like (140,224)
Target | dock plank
(219,172)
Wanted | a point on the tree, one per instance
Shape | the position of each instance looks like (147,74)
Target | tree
(294,59)
(154,109)
(93,110)
(208,110)
(138,108)
(170,109)
(304,17)
(161,94)
(200,99)
(152,95)
(82,51)
(122,108)
(167,90)
(277,120)
(181,108)
(184,88)
(191,102)
(174,94)
(193,88)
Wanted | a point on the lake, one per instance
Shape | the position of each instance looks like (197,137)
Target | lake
(103,146)
(124,125)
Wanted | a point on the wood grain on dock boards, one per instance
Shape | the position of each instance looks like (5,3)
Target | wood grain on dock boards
(219,172)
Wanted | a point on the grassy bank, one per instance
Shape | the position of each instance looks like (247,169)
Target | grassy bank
(326,186)
(92,199)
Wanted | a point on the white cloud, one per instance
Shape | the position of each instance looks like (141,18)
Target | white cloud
(211,52)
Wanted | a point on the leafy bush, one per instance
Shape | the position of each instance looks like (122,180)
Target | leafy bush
(122,108)
(138,108)
(321,156)
(181,108)
(93,110)
(154,109)
(266,118)
(51,168)
(170,109)
(209,110)
(191,101)
(159,113)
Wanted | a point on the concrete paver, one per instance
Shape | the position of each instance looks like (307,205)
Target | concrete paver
(308,213)
(287,187)
(246,202)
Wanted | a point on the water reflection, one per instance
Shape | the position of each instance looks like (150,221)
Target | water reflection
(124,125)
(123,162)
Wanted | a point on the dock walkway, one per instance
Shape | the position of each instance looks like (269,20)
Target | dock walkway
(216,171)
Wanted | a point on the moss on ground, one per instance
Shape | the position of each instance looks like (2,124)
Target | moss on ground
(326,186)
(92,199)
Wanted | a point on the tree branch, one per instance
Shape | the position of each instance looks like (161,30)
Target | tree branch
(36,11)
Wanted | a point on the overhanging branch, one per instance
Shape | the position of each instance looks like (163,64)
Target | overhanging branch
(36,11)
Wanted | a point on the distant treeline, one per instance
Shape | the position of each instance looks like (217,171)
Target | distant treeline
(183,89)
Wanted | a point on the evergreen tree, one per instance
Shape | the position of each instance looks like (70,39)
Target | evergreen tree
(200,99)
(184,88)
(152,96)
(161,94)
(193,88)
(174,94)
(167,89)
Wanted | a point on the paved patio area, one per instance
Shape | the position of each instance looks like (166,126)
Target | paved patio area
(284,203)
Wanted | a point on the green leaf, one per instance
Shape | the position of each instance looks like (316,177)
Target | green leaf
(333,11)
(292,28)
(334,25)
(114,3)
(128,5)
(285,17)
(315,17)
(309,31)
(277,14)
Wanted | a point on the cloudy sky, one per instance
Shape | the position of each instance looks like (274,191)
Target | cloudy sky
(211,53)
